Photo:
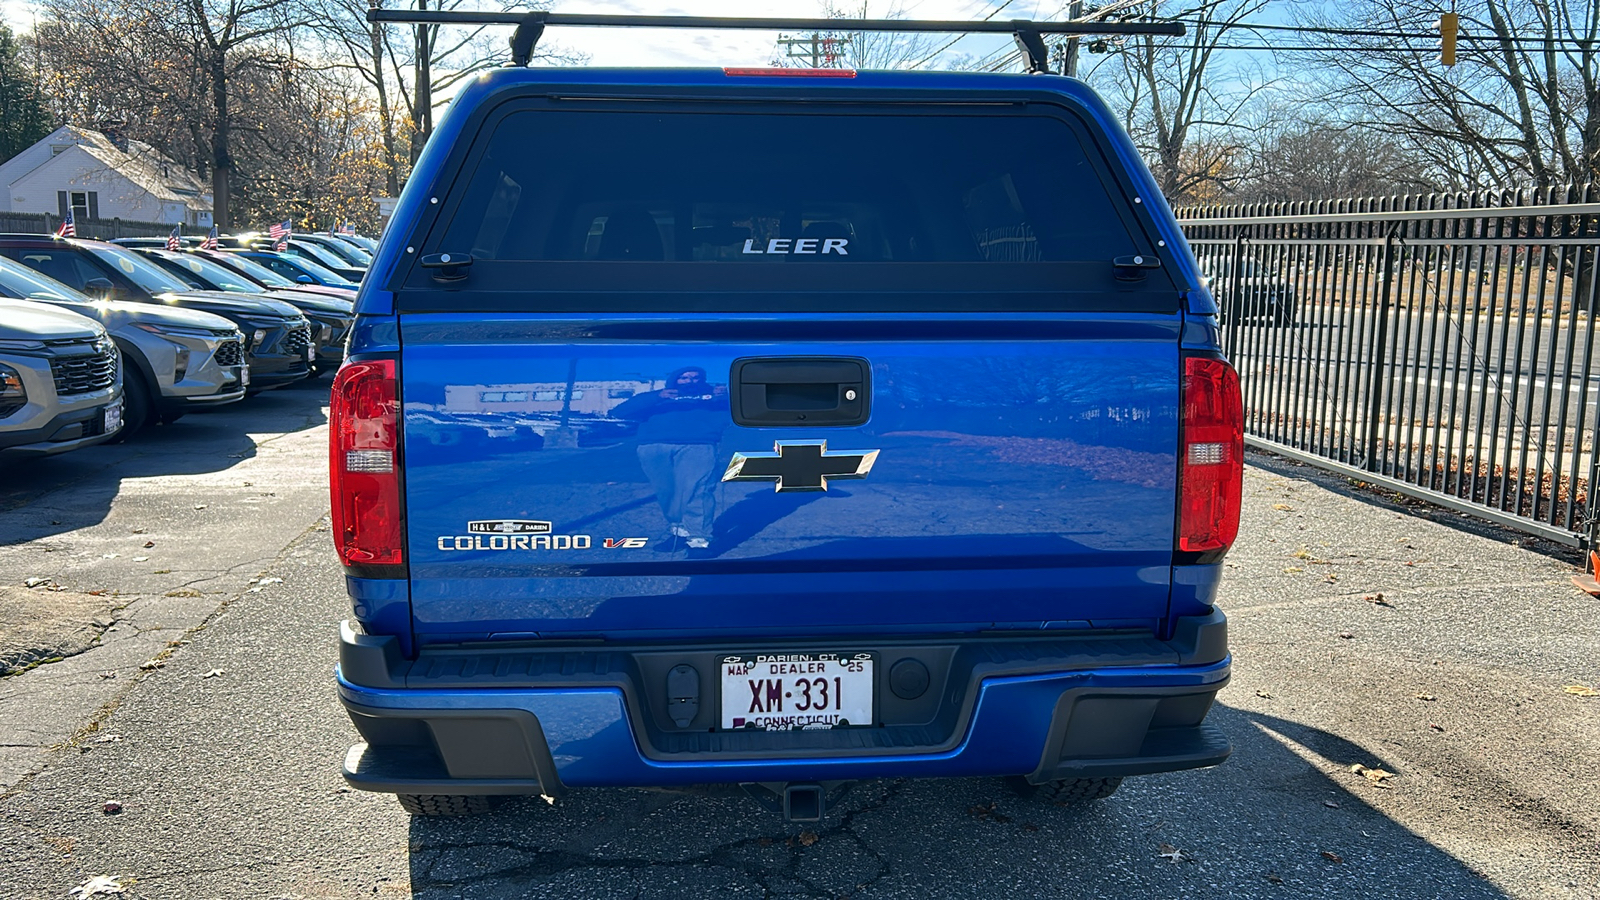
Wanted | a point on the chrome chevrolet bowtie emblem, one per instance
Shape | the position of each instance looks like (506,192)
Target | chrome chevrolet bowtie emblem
(800,465)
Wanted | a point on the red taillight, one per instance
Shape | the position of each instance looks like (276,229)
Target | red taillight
(364,469)
(789,73)
(1211,468)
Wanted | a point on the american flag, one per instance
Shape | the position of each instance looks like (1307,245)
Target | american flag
(281,230)
(67,229)
(210,243)
(174,240)
(347,228)
(281,246)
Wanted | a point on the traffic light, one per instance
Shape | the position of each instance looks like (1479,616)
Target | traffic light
(1449,23)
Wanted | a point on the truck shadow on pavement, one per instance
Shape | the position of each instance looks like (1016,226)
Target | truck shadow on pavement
(51,495)
(1282,818)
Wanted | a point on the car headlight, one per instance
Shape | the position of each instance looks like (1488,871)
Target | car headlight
(13,396)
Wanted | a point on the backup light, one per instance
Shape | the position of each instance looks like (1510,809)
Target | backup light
(364,436)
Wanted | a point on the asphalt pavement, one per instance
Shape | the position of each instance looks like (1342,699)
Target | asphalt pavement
(205,709)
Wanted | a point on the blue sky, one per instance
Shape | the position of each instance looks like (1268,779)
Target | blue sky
(635,47)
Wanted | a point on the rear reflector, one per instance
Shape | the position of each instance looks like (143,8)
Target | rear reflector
(363,433)
(790,73)
(1212,477)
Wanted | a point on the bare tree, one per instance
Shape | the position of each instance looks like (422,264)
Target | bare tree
(1522,104)
(1184,103)
(344,31)
(1311,158)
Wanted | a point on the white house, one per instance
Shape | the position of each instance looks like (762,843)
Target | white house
(82,170)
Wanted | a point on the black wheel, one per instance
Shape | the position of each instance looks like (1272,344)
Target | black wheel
(446,804)
(137,410)
(1069,791)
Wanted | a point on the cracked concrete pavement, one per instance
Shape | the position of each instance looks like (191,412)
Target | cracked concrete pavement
(137,543)
(225,758)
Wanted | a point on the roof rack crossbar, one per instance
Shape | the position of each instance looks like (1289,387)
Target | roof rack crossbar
(531,25)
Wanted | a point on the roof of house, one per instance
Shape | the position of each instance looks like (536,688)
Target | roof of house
(140,163)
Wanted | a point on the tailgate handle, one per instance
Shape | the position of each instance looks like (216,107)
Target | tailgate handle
(800,391)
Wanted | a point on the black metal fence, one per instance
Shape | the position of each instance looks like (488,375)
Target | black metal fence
(99,229)
(1442,346)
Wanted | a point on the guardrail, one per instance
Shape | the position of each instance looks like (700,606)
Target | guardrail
(1442,346)
(99,229)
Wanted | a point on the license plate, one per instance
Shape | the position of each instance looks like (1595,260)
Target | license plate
(311,354)
(785,691)
(244,376)
(113,419)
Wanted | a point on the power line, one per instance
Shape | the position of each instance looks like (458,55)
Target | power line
(1409,35)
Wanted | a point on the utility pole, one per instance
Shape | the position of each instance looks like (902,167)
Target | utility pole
(821,50)
(1069,56)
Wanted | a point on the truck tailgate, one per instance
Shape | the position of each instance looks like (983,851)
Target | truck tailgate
(1024,477)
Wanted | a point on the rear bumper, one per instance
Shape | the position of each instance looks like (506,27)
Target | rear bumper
(1097,720)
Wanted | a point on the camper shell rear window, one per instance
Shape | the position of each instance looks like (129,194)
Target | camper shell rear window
(681,197)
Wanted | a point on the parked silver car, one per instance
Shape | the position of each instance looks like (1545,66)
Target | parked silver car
(175,360)
(60,382)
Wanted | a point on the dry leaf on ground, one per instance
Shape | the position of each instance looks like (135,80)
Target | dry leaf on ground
(1376,776)
(1282,506)
(1167,851)
(99,886)
(1264,695)
(1378,600)
(1426,698)
(807,838)
(1581,690)
(1332,857)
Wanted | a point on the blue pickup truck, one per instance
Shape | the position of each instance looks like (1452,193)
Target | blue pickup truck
(781,429)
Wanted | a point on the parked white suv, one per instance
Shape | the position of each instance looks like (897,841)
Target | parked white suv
(60,381)
(174,360)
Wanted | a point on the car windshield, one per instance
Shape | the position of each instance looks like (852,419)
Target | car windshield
(352,255)
(321,273)
(317,253)
(26,284)
(254,270)
(142,272)
(218,276)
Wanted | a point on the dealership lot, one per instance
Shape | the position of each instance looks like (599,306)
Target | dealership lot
(205,707)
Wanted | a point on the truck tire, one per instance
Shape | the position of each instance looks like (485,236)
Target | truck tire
(1070,791)
(446,804)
